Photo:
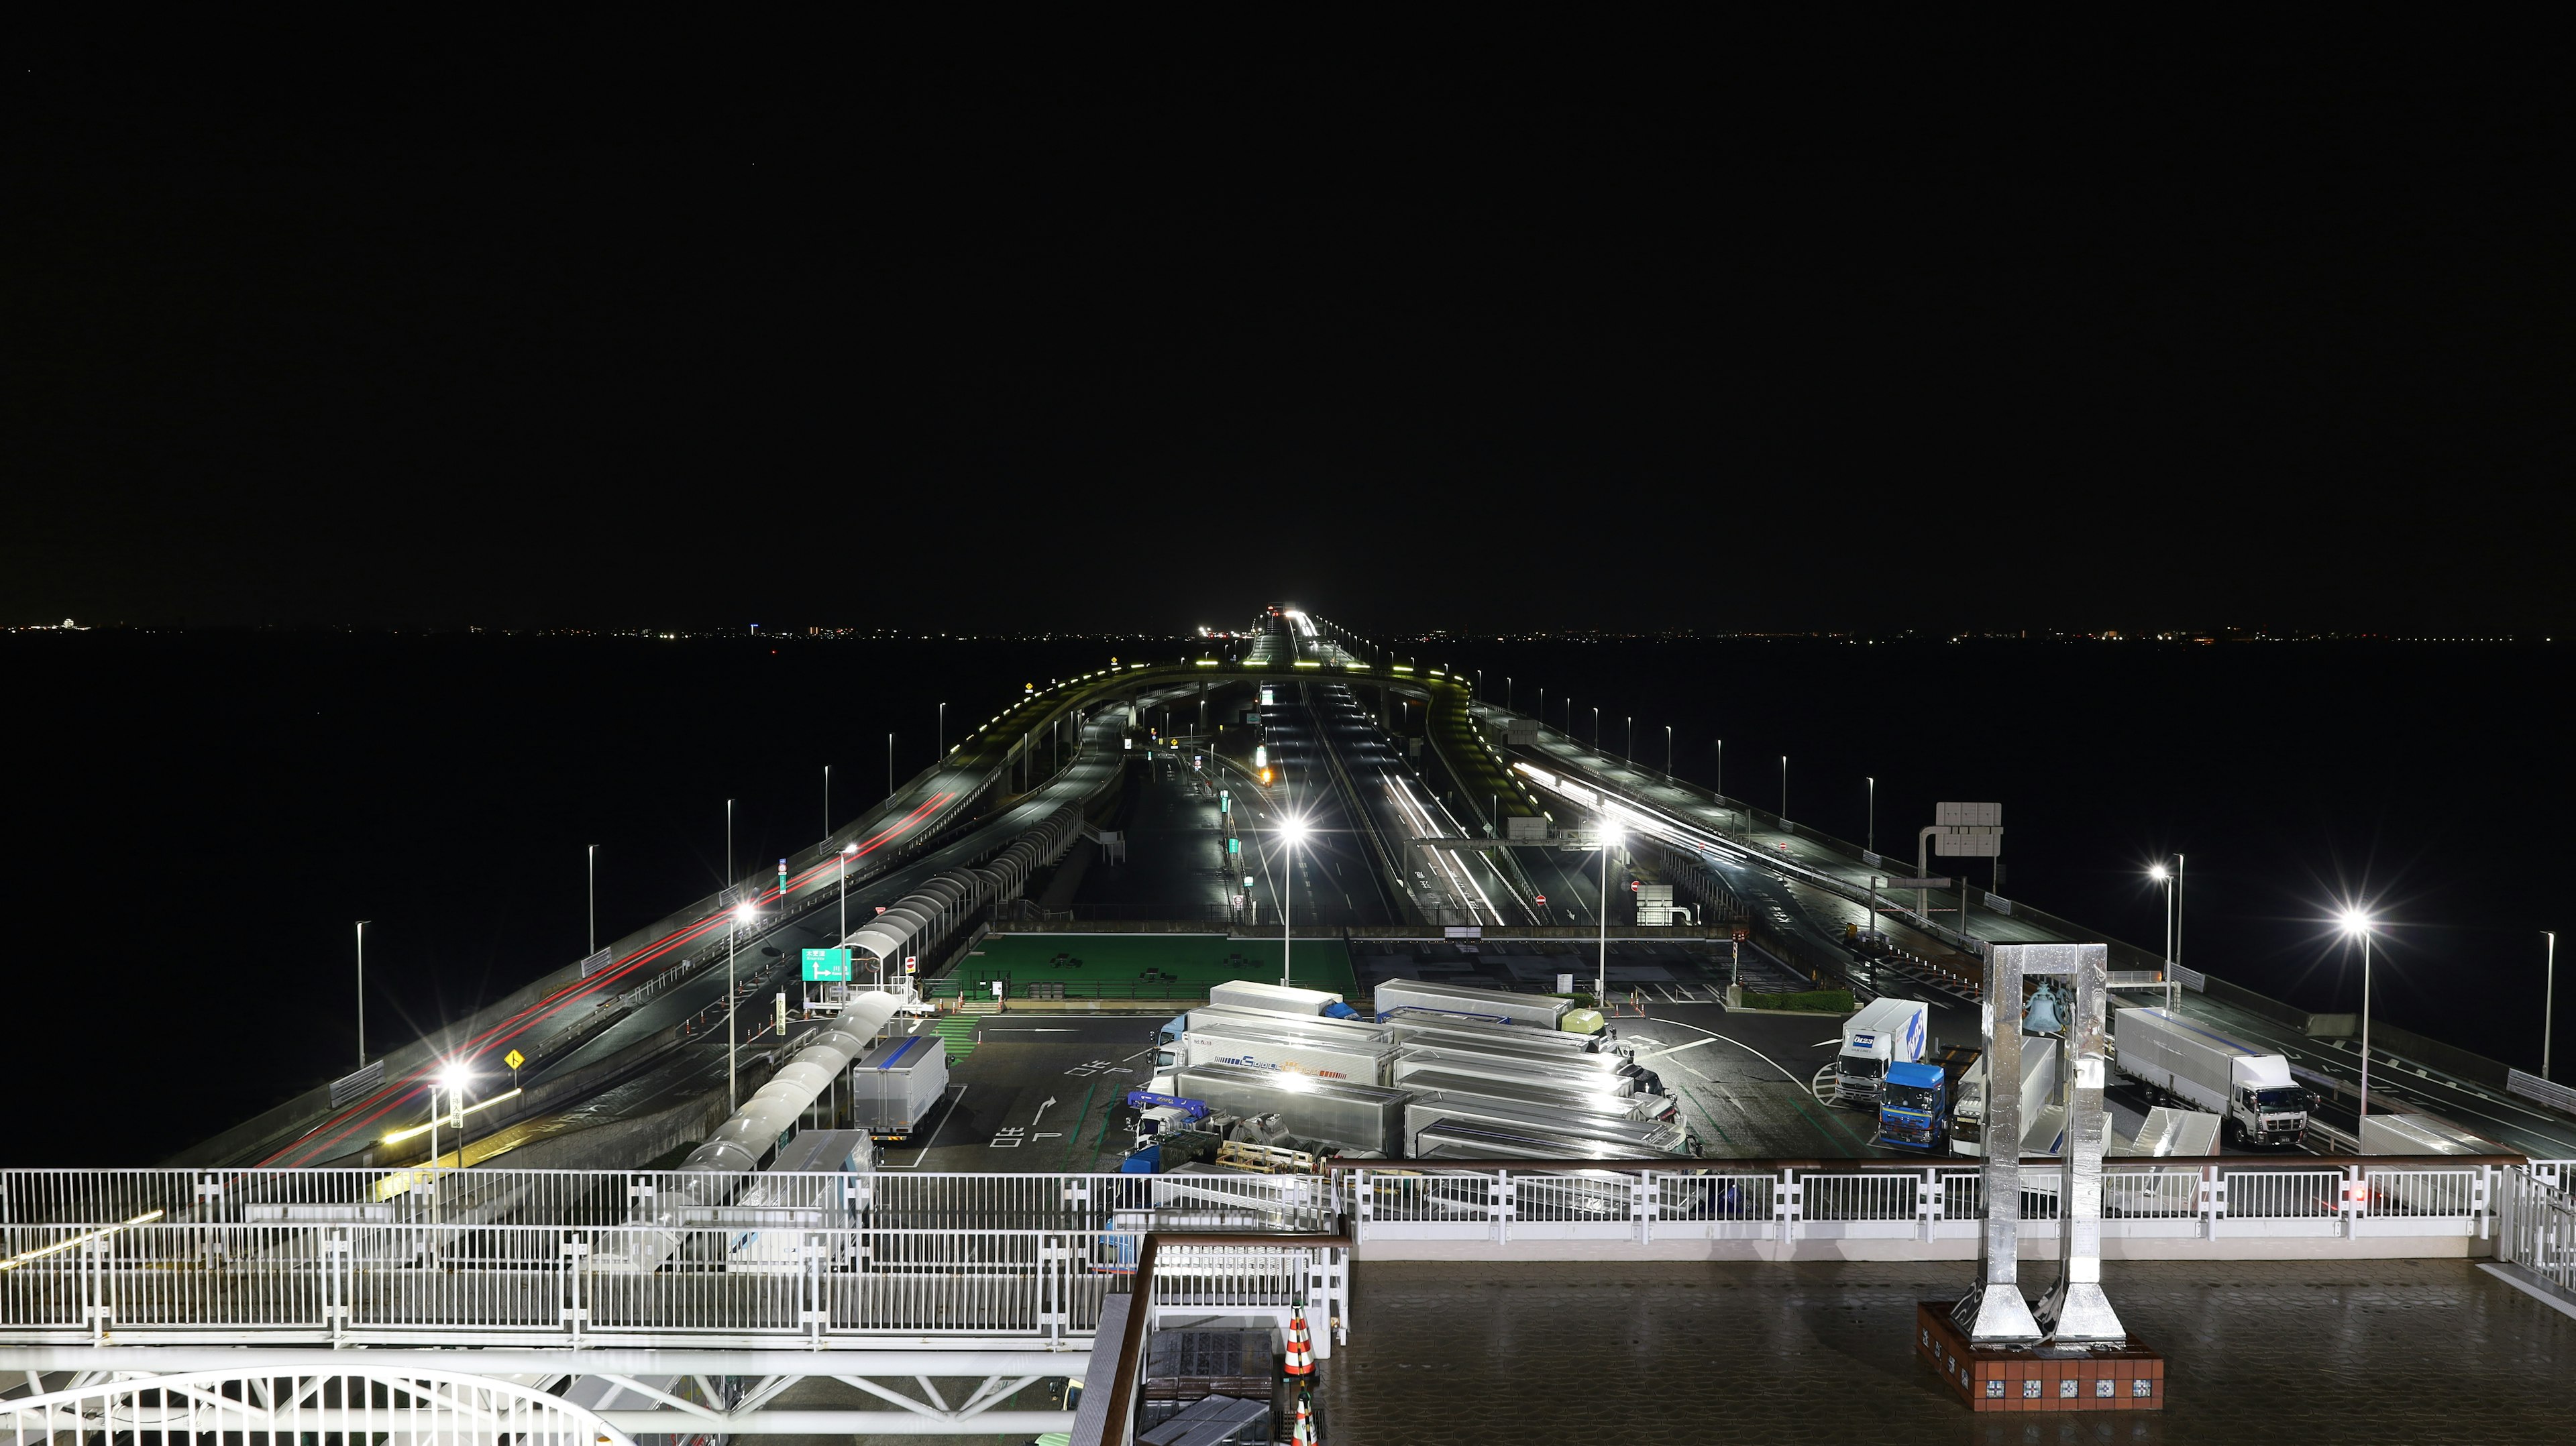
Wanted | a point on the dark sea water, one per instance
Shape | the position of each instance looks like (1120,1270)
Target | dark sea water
(194,821)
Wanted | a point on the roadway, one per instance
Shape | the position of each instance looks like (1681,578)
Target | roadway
(1802,883)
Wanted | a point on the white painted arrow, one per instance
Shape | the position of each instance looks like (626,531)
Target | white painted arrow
(1041,1114)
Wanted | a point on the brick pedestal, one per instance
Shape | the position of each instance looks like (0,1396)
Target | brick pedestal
(2040,1378)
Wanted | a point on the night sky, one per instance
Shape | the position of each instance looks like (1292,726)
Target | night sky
(867,333)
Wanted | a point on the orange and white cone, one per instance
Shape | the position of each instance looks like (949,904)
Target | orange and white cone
(1301,1347)
(1304,1435)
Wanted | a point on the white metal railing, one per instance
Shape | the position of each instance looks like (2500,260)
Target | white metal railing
(2537,1226)
(520,1257)
(406,1408)
(1937,1202)
(594,1198)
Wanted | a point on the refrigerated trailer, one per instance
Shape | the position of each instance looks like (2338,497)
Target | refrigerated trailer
(1273,998)
(1540,1011)
(1324,1048)
(2247,1087)
(1545,1094)
(1625,1080)
(1645,1137)
(1332,1112)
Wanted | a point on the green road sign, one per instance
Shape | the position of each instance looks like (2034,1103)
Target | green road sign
(825,965)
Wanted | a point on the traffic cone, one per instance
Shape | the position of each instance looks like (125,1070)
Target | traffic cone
(1304,1435)
(1301,1348)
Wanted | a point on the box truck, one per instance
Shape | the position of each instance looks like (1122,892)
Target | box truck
(1277,999)
(1884,1032)
(894,1086)
(2249,1088)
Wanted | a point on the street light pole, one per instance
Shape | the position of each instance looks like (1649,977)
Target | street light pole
(1601,979)
(728,883)
(1869,840)
(1668,750)
(939,745)
(362,1001)
(1291,830)
(593,868)
(889,768)
(827,800)
(2357,922)
(1784,790)
(2549,1000)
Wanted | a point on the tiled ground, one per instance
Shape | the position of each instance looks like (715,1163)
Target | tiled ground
(1497,1355)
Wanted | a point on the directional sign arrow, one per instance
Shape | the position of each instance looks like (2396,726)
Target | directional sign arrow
(1042,1109)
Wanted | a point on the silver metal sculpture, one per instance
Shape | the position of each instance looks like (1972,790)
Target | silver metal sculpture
(2075,1312)
(1993,1312)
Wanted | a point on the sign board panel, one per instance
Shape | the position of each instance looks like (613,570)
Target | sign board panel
(1969,844)
(514,1059)
(1968,815)
(598,961)
(1565,984)
(1462,931)
(1936,881)
(827,966)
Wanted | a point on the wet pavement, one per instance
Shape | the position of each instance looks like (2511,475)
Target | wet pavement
(2270,1351)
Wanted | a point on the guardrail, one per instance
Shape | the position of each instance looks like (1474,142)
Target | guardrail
(2538,1224)
(1787,1202)
(546,1257)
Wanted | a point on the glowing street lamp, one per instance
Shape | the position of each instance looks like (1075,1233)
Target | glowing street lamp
(2356,923)
(743,914)
(1610,837)
(1292,832)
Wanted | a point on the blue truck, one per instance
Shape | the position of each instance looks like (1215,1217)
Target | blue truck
(1916,1098)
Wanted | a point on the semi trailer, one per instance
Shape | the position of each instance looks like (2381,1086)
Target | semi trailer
(1539,1011)
(894,1086)
(1326,1049)
(1277,999)
(2247,1087)
(2043,1121)
(1643,1137)
(1545,1094)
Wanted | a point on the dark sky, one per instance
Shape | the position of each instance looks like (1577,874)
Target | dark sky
(863,334)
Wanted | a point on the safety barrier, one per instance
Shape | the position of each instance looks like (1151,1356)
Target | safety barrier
(1789,1202)
(535,1256)
(2537,1224)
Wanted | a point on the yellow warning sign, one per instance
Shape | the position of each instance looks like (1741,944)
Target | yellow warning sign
(514,1059)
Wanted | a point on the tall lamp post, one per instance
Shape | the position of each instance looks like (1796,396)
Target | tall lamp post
(2356,922)
(452,1078)
(827,800)
(939,745)
(2164,888)
(362,1001)
(591,867)
(1601,981)
(742,915)
(1668,750)
(1784,790)
(1869,840)
(1292,831)
(2548,1000)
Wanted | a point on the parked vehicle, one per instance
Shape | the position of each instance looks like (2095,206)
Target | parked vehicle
(1884,1032)
(2043,1119)
(2248,1087)
(1915,1100)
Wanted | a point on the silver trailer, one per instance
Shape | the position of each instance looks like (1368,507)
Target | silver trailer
(1540,1011)
(895,1085)
(1458,1140)
(1591,1072)
(1296,1046)
(1641,1137)
(1351,1116)
(1430,1025)
(1544,1094)
(1270,998)
(2249,1088)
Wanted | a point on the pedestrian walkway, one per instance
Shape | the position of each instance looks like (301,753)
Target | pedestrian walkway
(2270,1351)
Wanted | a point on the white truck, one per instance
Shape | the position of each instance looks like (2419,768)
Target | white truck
(1885,1032)
(2043,1121)
(2249,1088)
